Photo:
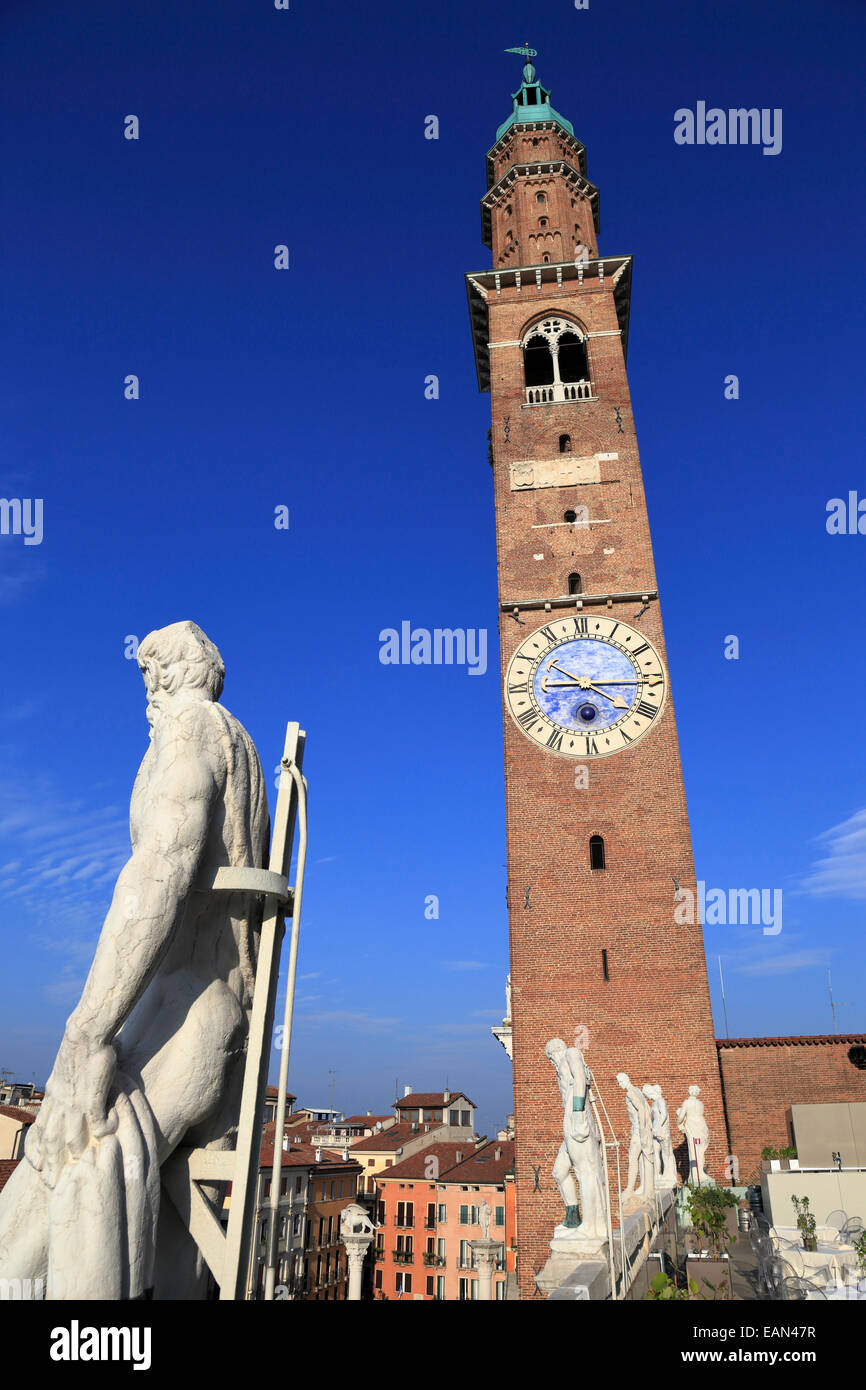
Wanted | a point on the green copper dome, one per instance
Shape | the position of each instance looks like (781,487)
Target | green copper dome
(532,103)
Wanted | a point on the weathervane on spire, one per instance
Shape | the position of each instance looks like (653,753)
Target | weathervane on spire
(528,53)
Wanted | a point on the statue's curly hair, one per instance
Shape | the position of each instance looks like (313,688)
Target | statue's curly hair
(181,655)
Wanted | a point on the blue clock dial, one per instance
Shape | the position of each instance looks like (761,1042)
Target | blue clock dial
(585,686)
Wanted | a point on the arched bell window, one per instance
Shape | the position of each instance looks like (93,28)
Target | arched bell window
(537,360)
(572,358)
(555,356)
(596,852)
(574,584)
(565,443)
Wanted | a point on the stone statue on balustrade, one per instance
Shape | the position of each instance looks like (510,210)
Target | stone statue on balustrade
(691,1122)
(664,1163)
(640,1184)
(485,1212)
(153,1054)
(579,1165)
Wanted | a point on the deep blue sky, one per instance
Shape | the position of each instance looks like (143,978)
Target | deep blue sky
(306,388)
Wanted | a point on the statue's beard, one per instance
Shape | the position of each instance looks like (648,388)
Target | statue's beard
(154,707)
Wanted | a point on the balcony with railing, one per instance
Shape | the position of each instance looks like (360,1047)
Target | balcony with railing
(560,391)
(434,1260)
(403,1257)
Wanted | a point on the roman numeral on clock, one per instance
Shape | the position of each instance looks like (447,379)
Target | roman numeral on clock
(646,709)
(555,740)
(581,625)
(519,689)
(636,651)
(528,717)
(591,745)
(549,634)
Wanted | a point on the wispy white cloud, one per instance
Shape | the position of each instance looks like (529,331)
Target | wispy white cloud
(841,871)
(59,856)
(350,1019)
(476,1029)
(15,584)
(784,964)
(65,990)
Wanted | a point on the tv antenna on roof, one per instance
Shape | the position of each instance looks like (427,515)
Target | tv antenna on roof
(836,1004)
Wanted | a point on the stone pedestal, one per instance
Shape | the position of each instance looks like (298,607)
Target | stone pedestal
(567,1241)
(576,1274)
(356,1249)
(485,1252)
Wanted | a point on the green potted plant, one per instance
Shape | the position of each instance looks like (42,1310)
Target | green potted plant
(783,1156)
(806,1223)
(860,1248)
(664,1289)
(708,1209)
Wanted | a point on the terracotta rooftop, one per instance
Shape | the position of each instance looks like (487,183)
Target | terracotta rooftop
(483,1166)
(13,1112)
(304,1156)
(368,1120)
(417,1164)
(804,1041)
(7,1168)
(387,1140)
(273,1091)
(430,1100)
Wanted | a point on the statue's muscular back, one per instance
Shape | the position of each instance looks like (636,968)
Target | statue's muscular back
(211,959)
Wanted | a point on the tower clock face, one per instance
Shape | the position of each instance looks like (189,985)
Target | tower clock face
(585,687)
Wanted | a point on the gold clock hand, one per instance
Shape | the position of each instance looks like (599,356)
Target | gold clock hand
(584,683)
(552,663)
(616,700)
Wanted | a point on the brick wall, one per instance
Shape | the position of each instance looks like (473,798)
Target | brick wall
(763,1077)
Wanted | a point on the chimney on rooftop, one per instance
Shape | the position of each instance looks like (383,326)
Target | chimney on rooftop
(446,1096)
(407,1090)
(458,1157)
(497,1153)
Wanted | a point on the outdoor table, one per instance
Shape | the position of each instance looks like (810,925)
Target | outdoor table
(830,1256)
(828,1234)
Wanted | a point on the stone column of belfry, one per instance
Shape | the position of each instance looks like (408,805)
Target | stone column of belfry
(356,1249)
(612,951)
(485,1252)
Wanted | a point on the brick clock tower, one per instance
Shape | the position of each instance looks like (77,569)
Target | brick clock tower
(597,828)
